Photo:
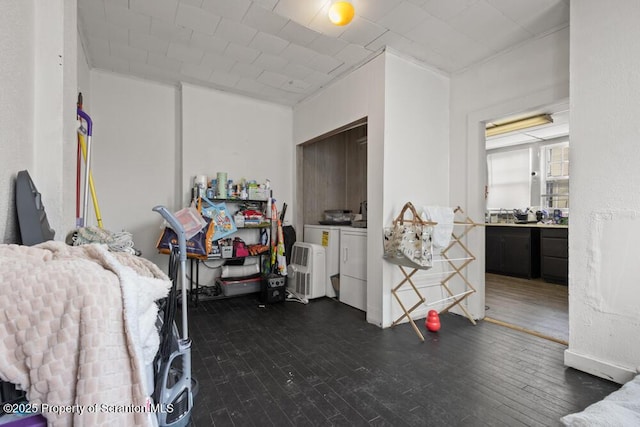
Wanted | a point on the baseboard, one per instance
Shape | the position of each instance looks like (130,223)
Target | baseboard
(598,368)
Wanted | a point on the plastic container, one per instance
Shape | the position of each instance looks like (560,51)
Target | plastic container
(337,216)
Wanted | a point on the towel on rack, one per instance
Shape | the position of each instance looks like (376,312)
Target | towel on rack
(444,216)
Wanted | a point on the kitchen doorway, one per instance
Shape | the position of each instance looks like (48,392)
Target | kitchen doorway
(527,212)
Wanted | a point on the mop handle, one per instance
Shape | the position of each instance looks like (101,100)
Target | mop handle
(177,227)
(86,117)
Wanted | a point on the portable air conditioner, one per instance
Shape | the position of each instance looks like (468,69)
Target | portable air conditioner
(306,271)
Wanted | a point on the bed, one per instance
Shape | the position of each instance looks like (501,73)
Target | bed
(78,331)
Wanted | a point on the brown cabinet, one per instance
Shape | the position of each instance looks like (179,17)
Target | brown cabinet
(554,255)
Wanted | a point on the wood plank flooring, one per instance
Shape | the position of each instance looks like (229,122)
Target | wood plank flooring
(322,364)
(533,304)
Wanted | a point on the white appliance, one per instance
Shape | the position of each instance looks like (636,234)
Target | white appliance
(306,271)
(328,236)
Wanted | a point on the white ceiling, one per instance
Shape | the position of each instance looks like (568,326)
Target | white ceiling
(284,50)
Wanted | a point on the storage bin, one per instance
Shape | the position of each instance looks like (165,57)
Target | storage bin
(239,287)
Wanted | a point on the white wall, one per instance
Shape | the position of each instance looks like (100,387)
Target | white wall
(533,75)
(38,43)
(357,95)
(244,137)
(16,108)
(416,167)
(407,110)
(134,156)
(605,213)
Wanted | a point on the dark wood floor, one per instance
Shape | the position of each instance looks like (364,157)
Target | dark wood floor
(532,304)
(323,364)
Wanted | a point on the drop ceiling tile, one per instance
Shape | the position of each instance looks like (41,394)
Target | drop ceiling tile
(374,10)
(508,140)
(268,43)
(390,38)
(98,46)
(300,11)
(447,39)
(297,71)
(197,19)
(251,85)
(298,34)
(318,79)
(127,52)
(163,62)
(417,2)
(352,54)
(247,71)
(151,72)
(327,45)
(267,4)
(298,54)
(170,32)
(199,72)
(235,32)
(484,23)
(550,131)
(123,17)
(241,53)
(208,43)
(217,62)
(223,79)
(297,86)
(270,62)
(121,3)
(185,53)
(272,79)
(161,9)
(196,3)
(93,8)
(113,64)
(326,63)
(264,20)
(148,42)
(404,17)
(537,17)
(446,10)
(362,32)
(106,30)
(233,10)
(321,24)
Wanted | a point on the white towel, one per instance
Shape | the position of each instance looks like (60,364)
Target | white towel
(444,216)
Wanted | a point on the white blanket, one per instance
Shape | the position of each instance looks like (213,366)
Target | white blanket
(620,409)
(77,327)
(444,216)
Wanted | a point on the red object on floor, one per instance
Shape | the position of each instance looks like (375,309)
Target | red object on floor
(433,321)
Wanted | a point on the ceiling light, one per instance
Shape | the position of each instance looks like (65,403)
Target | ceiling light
(542,119)
(341,13)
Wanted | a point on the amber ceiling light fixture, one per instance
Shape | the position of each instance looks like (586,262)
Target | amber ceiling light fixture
(521,124)
(341,13)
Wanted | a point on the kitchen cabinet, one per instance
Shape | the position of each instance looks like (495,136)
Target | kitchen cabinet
(353,268)
(554,254)
(513,251)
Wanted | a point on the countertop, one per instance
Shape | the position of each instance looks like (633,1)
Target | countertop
(531,225)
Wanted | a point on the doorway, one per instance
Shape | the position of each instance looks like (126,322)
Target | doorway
(527,211)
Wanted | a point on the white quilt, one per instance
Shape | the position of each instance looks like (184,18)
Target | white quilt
(619,409)
(77,328)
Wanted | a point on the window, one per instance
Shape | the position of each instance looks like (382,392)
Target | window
(556,184)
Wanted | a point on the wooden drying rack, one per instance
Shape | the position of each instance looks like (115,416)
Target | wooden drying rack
(456,264)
